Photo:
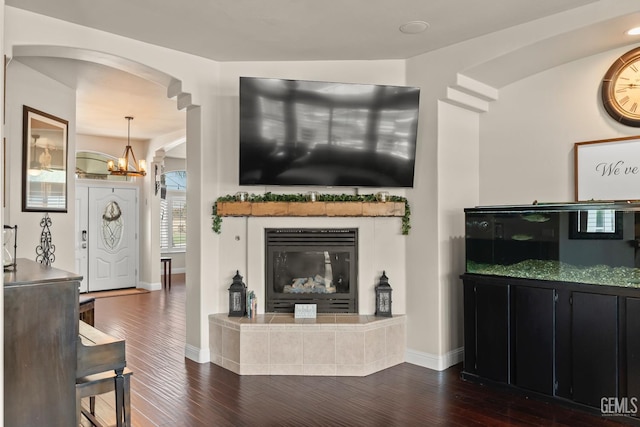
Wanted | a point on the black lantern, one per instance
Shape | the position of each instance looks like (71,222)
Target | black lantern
(237,297)
(383,297)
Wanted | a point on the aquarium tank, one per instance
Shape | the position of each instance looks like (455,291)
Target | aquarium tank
(592,243)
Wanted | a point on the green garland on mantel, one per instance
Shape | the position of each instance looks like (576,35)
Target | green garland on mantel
(270,197)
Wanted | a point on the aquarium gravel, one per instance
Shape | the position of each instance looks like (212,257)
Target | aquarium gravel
(559,271)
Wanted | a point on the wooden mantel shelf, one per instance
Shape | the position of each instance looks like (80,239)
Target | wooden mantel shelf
(304,208)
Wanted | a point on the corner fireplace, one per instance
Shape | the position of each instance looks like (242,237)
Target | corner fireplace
(311,266)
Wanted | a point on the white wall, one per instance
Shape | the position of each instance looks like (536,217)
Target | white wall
(527,137)
(458,185)
(111,146)
(2,213)
(426,325)
(174,164)
(35,90)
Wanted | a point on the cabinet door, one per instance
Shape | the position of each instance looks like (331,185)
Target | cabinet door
(533,312)
(633,347)
(594,341)
(492,331)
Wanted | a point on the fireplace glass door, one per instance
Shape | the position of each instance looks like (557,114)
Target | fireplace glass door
(311,266)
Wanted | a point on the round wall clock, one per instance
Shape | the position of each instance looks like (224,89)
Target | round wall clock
(621,89)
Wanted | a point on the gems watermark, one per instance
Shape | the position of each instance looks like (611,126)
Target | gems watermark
(619,406)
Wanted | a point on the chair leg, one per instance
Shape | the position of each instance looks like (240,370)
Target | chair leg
(119,382)
(127,401)
(78,407)
(119,385)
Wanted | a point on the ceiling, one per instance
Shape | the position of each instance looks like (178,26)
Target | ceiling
(294,30)
(256,30)
(105,96)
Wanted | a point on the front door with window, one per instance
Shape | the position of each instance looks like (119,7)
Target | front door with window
(110,238)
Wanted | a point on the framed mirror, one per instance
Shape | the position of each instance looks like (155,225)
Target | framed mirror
(44,162)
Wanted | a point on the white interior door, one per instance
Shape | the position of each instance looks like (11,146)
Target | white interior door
(113,237)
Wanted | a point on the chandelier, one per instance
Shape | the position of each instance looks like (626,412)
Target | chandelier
(123,162)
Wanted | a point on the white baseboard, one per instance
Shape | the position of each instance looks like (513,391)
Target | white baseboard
(199,355)
(150,286)
(435,362)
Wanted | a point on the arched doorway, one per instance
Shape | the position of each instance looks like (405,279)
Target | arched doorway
(150,259)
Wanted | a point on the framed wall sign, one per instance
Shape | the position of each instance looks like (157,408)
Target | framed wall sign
(607,170)
(44,162)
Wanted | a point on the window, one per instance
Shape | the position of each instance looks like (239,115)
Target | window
(595,224)
(601,221)
(173,223)
(176,180)
(173,213)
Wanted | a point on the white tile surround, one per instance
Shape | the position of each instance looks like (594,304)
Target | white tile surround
(330,345)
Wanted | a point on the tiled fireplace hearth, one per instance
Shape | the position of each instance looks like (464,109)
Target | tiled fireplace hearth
(336,343)
(331,344)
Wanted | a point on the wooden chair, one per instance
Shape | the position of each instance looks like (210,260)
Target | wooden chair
(86,309)
(104,382)
(100,368)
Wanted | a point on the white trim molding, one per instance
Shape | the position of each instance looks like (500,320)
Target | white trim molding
(150,286)
(199,355)
(435,362)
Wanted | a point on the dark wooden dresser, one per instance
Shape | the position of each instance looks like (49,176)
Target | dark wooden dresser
(40,336)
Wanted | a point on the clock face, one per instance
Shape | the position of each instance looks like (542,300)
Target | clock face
(621,89)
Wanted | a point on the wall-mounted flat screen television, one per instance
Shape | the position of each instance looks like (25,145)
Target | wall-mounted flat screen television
(312,133)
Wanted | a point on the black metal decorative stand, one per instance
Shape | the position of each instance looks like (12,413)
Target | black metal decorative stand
(45,251)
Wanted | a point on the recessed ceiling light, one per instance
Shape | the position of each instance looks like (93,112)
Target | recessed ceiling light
(634,31)
(414,27)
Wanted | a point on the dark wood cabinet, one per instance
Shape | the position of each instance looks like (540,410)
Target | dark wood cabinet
(570,341)
(40,336)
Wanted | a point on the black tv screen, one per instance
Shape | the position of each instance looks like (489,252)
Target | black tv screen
(295,132)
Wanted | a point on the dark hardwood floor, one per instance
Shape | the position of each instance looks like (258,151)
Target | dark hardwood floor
(169,390)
